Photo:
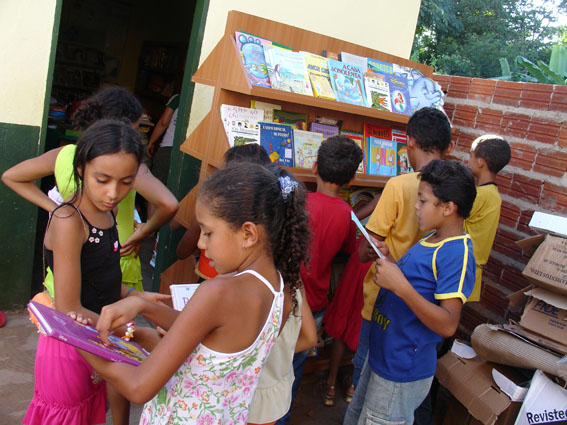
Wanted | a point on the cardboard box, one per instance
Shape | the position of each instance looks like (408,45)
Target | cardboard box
(546,314)
(546,403)
(457,414)
(549,223)
(548,265)
(472,384)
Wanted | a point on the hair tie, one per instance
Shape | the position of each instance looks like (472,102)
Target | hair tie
(287,186)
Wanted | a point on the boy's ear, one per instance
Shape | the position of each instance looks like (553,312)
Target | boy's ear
(449,208)
(450,149)
(314,168)
(250,234)
(480,162)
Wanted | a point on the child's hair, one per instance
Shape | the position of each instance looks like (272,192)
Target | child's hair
(431,129)
(338,158)
(105,137)
(269,197)
(495,151)
(451,181)
(251,152)
(109,103)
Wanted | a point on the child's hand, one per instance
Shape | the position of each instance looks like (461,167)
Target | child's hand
(134,241)
(118,314)
(80,318)
(154,297)
(383,248)
(389,276)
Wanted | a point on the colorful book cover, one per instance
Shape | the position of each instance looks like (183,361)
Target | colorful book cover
(295,119)
(378,66)
(355,59)
(251,50)
(287,70)
(377,91)
(181,294)
(325,129)
(318,70)
(399,93)
(277,139)
(399,135)
(378,131)
(241,124)
(347,82)
(381,157)
(359,140)
(268,108)
(305,145)
(59,326)
(403,164)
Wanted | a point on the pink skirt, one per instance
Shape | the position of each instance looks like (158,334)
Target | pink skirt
(64,392)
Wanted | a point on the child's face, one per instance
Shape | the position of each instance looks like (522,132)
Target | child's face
(107,179)
(219,239)
(428,208)
(473,164)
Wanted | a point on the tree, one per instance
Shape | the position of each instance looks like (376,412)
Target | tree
(468,37)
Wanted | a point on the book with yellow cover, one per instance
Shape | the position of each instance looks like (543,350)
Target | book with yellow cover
(318,70)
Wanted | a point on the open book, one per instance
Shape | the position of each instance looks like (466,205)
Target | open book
(57,325)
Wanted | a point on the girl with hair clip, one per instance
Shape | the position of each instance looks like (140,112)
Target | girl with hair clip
(81,248)
(109,103)
(255,230)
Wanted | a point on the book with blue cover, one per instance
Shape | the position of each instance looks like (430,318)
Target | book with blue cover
(251,49)
(399,93)
(347,81)
(381,67)
(277,139)
(381,157)
(287,70)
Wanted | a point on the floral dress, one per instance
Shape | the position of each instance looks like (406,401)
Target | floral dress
(213,388)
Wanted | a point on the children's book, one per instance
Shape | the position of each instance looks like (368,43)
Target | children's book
(295,119)
(57,325)
(359,140)
(277,139)
(241,124)
(287,70)
(399,135)
(381,67)
(377,91)
(347,82)
(403,164)
(268,108)
(326,129)
(399,93)
(355,59)
(379,131)
(318,70)
(329,54)
(365,234)
(381,157)
(305,145)
(181,294)
(251,50)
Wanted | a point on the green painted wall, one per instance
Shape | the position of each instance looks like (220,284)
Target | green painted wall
(18,218)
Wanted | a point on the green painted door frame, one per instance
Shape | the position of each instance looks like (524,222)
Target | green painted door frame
(184,169)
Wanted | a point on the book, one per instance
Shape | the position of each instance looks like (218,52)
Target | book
(377,91)
(295,119)
(318,70)
(424,92)
(305,146)
(277,139)
(325,129)
(403,164)
(399,135)
(287,70)
(181,294)
(381,157)
(381,67)
(355,59)
(329,54)
(365,234)
(59,326)
(347,82)
(251,50)
(241,124)
(268,108)
(359,140)
(399,93)
(379,131)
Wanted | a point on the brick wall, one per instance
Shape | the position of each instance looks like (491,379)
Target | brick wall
(532,117)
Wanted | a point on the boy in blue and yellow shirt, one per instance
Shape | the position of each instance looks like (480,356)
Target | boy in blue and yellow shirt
(420,299)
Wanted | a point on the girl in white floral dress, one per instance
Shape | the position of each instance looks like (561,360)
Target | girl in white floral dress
(205,369)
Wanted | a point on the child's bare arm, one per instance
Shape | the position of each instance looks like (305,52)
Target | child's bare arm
(308,334)
(365,251)
(188,243)
(367,209)
(442,319)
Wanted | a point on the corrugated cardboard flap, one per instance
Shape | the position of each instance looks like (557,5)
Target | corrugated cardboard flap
(551,298)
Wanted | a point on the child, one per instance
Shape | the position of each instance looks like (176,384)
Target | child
(109,103)
(489,154)
(81,248)
(332,229)
(420,300)
(393,220)
(252,223)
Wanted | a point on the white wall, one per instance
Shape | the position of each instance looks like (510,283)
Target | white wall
(26,30)
(388,26)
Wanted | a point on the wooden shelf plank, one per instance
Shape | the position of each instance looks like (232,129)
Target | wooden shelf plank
(365,180)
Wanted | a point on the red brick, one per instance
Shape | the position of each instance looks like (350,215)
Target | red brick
(488,120)
(515,125)
(449,110)
(504,182)
(471,318)
(562,140)
(493,269)
(551,162)
(536,96)
(508,93)
(523,156)
(554,198)
(459,87)
(512,279)
(543,130)
(525,188)
(494,300)
(482,90)
(464,142)
(443,81)
(559,99)
(509,214)
(464,116)
(505,243)
(523,223)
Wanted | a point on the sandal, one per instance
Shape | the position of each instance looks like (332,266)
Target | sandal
(349,393)
(330,396)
